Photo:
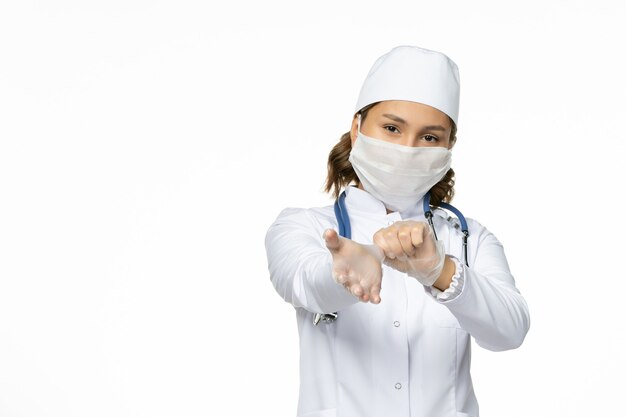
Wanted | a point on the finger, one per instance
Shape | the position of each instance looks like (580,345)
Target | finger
(406,242)
(429,239)
(370,283)
(417,234)
(341,271)
(356,290)
(384,239)
(365,282)
(379,240)
(341,278)
(331,238)
(375,294)
(393,243)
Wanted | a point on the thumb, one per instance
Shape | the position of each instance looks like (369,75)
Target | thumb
(332,239)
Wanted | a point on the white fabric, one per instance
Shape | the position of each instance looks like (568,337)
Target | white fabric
(408,355)
(415,74)
(456,286)
(398,175)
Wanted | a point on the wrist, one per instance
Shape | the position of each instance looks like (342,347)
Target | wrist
(445,278)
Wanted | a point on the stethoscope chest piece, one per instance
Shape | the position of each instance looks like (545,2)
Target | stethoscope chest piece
(326,318)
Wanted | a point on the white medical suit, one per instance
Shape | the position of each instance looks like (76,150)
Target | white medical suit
(410,354)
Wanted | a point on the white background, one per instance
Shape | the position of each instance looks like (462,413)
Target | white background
(146,147)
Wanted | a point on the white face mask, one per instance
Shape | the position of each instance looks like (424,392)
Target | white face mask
(397,175)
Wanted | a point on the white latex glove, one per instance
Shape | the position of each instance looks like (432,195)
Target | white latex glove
(355,266)
(410,246)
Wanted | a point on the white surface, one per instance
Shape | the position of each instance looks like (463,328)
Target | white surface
(145,147)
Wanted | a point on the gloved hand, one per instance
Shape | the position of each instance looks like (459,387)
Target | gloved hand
(355,266)
(410,246)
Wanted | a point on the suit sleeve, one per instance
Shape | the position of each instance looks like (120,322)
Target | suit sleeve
(300,265)
(490,307)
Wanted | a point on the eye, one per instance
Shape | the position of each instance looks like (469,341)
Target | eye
(391,128)
(431,138)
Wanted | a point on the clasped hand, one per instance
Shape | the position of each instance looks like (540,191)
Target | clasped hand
(407,246)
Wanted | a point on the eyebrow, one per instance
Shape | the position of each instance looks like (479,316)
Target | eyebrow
(395,118)
(435,127)
(402,121)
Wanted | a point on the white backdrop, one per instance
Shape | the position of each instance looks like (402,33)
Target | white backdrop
(146,147)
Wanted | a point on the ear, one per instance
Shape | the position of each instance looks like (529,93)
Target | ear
(354,129)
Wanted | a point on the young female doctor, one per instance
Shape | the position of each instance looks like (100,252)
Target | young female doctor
(387,287)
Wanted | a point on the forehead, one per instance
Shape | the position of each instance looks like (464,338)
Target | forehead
(410,111)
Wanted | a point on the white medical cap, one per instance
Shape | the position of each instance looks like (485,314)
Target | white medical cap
(415,74)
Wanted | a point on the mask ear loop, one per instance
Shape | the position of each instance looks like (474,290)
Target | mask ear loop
(358,129)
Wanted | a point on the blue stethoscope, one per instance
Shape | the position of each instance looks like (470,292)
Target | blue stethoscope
(345,230)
